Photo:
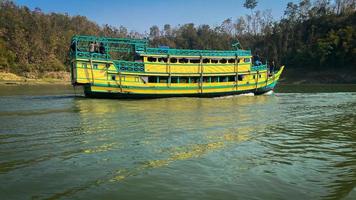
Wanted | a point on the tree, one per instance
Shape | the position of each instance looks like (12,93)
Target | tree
(167,30)
(154,32)
(250,4)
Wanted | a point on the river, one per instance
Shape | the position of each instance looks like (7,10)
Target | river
(299,143)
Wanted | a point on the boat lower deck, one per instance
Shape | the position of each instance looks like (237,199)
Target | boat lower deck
(151,96)
(97,91)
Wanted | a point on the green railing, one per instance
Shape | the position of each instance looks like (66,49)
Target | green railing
(123,45)
(130,41)
(259,68)
(128,66)
(127,45)
(189,52)
(88,55)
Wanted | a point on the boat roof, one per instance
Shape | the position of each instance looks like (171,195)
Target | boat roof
(190,52)
(140,46)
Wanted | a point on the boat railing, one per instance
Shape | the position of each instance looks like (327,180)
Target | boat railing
(258,67)
(90,55)
(108,40)
(190,52)
(129,66)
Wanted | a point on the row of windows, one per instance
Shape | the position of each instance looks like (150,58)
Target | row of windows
(197,60)
(177,79)
(206,79)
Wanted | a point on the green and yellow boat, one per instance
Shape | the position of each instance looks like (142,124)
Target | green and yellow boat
(128,68)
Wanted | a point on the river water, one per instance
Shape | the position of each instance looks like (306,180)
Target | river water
(299,143)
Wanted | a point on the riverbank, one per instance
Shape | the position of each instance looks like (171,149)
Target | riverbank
(49,78)
(302,77)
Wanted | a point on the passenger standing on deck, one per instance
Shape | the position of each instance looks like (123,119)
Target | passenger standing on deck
(91,47)
(96,47)
(102,48)
(257,60)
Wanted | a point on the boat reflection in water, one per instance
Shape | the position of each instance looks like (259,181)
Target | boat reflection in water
(283,146)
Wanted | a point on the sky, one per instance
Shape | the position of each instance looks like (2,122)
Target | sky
(140,15)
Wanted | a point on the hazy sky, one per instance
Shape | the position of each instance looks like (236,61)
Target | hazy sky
(139,15)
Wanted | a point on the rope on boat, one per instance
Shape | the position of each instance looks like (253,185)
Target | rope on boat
(120,82)
(168,68)
(91,69)
(257,80)
(236,70)
(201,73)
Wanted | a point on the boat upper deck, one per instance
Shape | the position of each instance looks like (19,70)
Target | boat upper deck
(81,49)
(195,53)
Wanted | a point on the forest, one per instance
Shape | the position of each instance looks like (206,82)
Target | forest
(313,36)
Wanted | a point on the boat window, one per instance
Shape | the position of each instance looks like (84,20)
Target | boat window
(254,77)
(223,79)
(215,79)
(84,65)
(214,61)
(152,79)
(206,60)
(163,79)
(260,76)
(183,79)
(162,60)
(173,60)
(95,66)
(174,79)
(240,77)
(231,61)
(139,59)
(194,60)
(113,77)
(151,59)
(223,61)
(206,79)
(183,60)
(247,60)
(231,78)
(194,79)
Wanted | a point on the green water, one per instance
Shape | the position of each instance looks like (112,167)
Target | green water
(299,143)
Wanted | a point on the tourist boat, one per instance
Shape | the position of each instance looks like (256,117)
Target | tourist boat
(128,68)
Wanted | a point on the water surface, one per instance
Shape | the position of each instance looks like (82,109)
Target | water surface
(296,144)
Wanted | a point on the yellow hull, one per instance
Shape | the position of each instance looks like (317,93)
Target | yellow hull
(103,79)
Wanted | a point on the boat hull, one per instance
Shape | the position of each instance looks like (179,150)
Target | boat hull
(128,95)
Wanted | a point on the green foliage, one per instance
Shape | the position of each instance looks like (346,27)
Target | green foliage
(313,35)
(250,4)
(6,57)
(31,41)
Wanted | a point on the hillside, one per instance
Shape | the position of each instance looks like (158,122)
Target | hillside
(312,40)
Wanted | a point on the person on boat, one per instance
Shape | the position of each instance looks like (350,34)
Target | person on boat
(256,58)
(96,47)
(101,48)
(74,47)
(272,67)
(91,47)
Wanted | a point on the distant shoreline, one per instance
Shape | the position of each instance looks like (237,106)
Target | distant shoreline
(51,78)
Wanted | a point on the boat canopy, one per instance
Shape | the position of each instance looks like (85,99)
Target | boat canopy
(80,46)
